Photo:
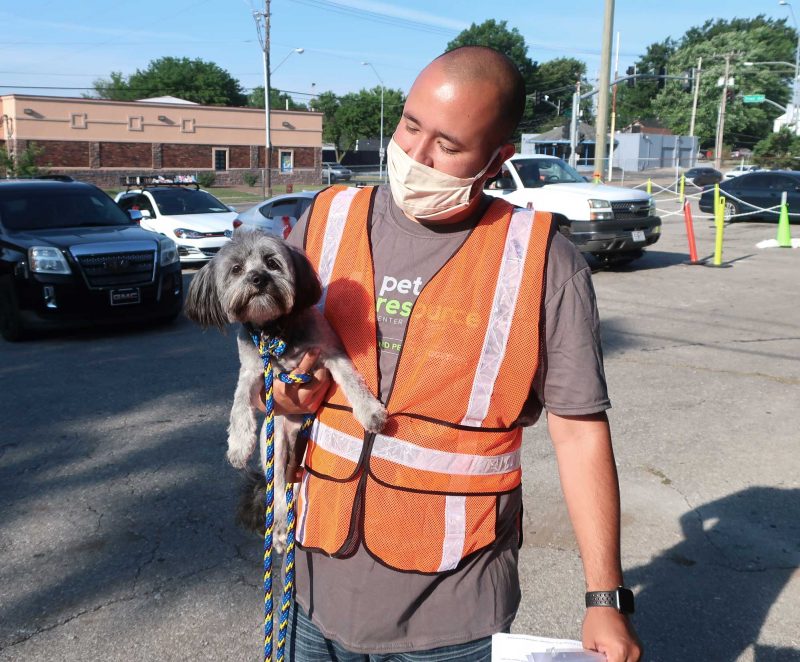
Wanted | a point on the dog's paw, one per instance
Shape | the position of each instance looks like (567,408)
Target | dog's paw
(372,415)
(237,456)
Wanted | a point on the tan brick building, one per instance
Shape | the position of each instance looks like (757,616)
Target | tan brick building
(100,141)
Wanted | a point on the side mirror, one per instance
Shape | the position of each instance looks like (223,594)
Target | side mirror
(504,183)
(145,213)
(136,215)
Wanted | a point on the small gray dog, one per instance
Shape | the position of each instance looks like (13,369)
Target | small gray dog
(268,286)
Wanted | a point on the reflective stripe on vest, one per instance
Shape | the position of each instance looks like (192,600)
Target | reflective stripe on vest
(503,305)
(337,216)
(412,455)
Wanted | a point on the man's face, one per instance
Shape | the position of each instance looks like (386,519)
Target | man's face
(449,125)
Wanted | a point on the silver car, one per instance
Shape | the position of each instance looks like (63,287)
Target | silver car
(277,215)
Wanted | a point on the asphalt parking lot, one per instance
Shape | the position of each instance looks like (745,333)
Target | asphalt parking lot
(116,533)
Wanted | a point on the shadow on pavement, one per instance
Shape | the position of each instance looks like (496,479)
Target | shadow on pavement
(707,597)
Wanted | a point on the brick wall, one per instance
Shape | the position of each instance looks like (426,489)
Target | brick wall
(186,156)
(60,153)
(126,155)
(238,156)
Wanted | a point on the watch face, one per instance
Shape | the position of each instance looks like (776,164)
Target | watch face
(625,600)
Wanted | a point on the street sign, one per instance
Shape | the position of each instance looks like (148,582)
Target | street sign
(753,98)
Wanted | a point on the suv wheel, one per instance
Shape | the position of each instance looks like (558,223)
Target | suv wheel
(11,326)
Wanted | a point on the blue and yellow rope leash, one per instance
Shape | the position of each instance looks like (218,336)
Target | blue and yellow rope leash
(269,348)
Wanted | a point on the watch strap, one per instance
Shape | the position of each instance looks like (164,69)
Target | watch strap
(620,598)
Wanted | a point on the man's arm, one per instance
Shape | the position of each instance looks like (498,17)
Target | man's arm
(591,491)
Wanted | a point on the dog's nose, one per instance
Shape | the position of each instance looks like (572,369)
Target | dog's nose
(258,278)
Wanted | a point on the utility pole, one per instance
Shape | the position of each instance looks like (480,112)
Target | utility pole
(721,123)
(602,98)
(263,38)
(613,116)
(694,104)
(573,125)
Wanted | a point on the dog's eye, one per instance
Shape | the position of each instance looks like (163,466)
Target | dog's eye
(272,263)
(237,269)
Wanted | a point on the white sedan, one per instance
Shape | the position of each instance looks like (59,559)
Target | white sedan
(740,170)
(194,219)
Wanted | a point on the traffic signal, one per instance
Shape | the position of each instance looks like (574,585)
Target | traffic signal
(688,80)
(662,71)
(630,71)
(729,94)
(565,129)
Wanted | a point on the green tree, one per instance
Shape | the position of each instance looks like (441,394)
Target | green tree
(356,115)
(194,80)
(497,35)
(635,101)
(556,79)
(25,163)
(277,99)
(747,40)
(778,150)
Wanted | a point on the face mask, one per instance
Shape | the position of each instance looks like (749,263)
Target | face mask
(423,192)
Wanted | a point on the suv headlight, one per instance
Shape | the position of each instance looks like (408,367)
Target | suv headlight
(47,260)
(184,233)
(168,251)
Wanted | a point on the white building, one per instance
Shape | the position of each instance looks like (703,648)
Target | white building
(787,119)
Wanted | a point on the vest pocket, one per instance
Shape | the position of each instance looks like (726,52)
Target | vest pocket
(422,532)
(324,528)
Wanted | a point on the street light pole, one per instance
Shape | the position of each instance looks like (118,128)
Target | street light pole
(602,99)
(795,91)
(263,38)
(381,150)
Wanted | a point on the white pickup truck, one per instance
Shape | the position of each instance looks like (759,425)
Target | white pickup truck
(612,223)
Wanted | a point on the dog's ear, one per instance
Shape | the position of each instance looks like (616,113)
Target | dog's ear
(202,302)
(306,282)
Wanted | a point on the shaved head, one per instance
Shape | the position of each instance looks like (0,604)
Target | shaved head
(470,65)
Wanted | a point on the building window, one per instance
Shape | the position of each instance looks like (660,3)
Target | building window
(78,120)
(220,159)
(187,125)
(135,123)
(286,160)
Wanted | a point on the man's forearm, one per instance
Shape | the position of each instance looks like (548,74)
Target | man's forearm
(591,491)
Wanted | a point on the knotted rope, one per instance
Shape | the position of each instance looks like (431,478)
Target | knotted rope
(270,348)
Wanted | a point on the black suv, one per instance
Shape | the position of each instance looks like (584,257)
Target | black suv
(69,255)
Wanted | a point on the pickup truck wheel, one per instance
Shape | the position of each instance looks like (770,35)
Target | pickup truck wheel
(11,326)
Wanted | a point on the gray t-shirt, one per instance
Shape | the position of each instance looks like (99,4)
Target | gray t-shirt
(362,604)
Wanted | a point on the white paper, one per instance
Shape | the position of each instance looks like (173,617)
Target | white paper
(525,648)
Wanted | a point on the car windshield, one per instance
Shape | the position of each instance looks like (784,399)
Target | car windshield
(180,201)
(538,172)
(37,209)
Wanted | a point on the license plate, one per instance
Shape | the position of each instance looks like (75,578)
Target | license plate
(638,235)
(125,296)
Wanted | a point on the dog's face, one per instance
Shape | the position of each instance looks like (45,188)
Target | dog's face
(254,278)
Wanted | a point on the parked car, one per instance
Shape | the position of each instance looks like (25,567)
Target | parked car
(740,170)
(198,222)
(757,190)
(335,172)
(703,176)
(277,215)
(609,222)
(70,256)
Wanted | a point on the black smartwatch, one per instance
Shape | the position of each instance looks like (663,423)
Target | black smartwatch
(620,598)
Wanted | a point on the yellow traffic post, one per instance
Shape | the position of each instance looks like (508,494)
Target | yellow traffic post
(784,232)
(719,221)
(716,197)
(682,188)
(649,186)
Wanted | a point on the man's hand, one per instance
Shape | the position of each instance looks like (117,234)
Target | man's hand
(607,631)
(301,398)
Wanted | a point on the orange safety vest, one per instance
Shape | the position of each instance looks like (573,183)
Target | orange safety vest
(423,494)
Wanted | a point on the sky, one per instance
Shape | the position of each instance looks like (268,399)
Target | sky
(59,47)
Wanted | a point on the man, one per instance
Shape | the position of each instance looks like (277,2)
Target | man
(408,539)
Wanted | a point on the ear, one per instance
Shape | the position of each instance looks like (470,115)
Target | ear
(306,282)
(202,303)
